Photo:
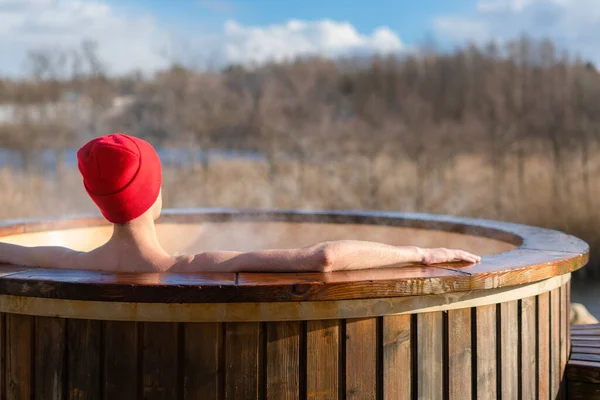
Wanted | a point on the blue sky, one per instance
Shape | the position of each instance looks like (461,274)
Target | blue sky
(151,34)
(413,20)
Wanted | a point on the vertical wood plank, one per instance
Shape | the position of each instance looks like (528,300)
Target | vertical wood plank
(430,356)
(242,341)
(3,370)
(528,349)
(555,373)
(121,360)
(568,320)
(19,354)
(322,359)
(50,357)
(486,352)
(509,338)
(361,358)
(201,360)
(544,345)
(459,354)
(160,360)
(397,357)
(564,326)
(283,360)
(83,358)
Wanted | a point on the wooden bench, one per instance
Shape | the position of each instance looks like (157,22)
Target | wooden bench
(583,368)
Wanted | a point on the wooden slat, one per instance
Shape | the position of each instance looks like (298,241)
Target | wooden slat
(3,351)
(459,354)
(582,327)
(585,333)
(583,391)
(201,360)
(509,337)
(242,342)
(322,359)
(564,326)
(587,357)
(528,349)
(397,378)
(19,341)
(121,360)
(50,357)
(159,360)
(430,356)
(361,358)
(585,350)
(584,371)
(586,340)
(544,345)
(83,358)
(486,352)
(283,360)
(568,286)
(555,373)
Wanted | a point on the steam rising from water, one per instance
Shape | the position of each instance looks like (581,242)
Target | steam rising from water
(248,236)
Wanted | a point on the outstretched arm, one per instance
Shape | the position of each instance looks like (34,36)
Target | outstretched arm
(40,256)
(342,255)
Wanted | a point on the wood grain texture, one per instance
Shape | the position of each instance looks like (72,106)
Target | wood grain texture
(361,358)
(584,371)
(583,391)
(84,359)
(50,357)
(529,266)
(555,371)
(486,362)
(430,341)
(569,341)
(528,339)
(397,356)
(3,352)
(160,365)
(283,360)
(121,359)
(242,358)
(565,305)
(19,356)
(544,345)
(509,350)
(323,359)
(460,354)
(541,254)
(203,372)
(584,362)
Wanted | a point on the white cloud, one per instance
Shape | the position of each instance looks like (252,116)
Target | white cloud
(125,42)
(574,24)
(245,44)
(130,40)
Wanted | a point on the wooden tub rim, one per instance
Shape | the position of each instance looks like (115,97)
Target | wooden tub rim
(540,254)
(273,311)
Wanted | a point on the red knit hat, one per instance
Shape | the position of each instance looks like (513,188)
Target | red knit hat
(122,175)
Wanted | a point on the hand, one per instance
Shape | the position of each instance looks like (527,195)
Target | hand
(441,255)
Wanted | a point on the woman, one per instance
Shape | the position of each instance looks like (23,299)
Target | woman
(123,176)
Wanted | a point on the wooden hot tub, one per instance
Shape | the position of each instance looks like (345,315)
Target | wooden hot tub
(449,331)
